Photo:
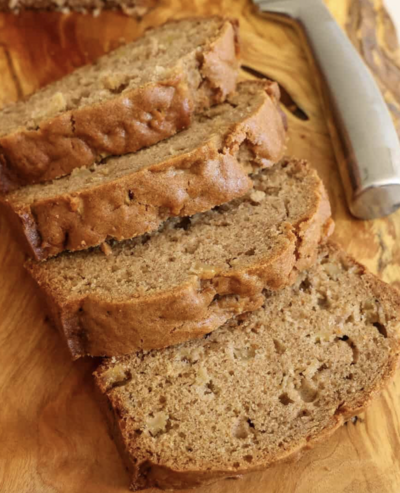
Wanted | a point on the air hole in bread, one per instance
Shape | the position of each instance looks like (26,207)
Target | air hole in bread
(184,223)
(305,285)
(356,352)
(303,413)
(279,347)
(352,346)
(211,388)
(285,399)
(248,458)
(245,153)
(323,301)
(322,367)
(381,329)
(307,392)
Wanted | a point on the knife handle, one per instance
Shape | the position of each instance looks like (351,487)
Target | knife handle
(365,140)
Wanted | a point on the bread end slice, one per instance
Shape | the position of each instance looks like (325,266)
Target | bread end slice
(262,387)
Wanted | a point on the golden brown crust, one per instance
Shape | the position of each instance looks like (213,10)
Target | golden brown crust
(149,474)
(83,136)
(132,7)
(99,327)
(137,8)
(139,202)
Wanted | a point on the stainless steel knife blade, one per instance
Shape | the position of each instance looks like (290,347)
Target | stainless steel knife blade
(366,143)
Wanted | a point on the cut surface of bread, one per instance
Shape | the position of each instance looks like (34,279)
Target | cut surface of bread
(190,276)
(262,387)
(193,171)
(133,97)
(137,8)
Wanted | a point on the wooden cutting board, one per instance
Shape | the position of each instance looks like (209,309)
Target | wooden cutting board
(52,435)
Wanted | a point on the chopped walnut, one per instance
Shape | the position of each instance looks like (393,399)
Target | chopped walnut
(202,376)
(245,353)
(115,376)
(113,82)
(257,196)
(312,368)
(190,355)
(159,70)
(157,423)
(204,271)
(56,104)
(332,270)
(106,249)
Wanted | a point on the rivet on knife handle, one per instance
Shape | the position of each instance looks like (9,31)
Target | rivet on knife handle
(365,139)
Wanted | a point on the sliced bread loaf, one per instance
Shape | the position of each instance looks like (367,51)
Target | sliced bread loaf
(130,98)
(191,275)
(193,171)
(264,386)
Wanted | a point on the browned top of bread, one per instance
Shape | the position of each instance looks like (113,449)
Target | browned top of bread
(263,386)
(130,98)
(137,8)
(192,274)
(131,65)
(126,196)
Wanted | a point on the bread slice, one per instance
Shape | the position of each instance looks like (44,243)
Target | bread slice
(191,172)
(264,386)
(131,98)
(191,275)
(136,8)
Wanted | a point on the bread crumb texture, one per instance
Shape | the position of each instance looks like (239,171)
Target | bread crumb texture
(128,99)
(234,235)
(194,273)
(130,195)
(127,67)
(261,387)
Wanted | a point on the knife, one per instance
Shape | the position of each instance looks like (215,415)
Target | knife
(366,143)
